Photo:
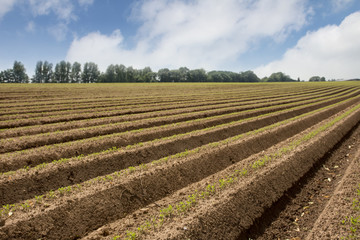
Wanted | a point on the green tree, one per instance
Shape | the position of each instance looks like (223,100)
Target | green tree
(249,76)
(2,77)
(62,72)
(197,75)
(120,71)
(218,76)
(7,76)
(164,75)
(75,76)
(174,75)
(47,71)
(43,72)
(19,72)
(90,73)
(38,77)
(314,79)
(184,73)
(147,75)
(110,74)
(130,74)
(279,77)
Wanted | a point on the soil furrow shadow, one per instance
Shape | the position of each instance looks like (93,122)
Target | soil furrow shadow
(294,214)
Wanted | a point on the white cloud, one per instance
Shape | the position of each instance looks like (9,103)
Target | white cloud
(332,51)
(85,2)
(63,9)
(59,31)
(338,5)
(209,34)
(97,48)
(6,6)
(30,27)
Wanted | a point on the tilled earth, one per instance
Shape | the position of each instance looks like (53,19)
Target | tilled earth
(294,215)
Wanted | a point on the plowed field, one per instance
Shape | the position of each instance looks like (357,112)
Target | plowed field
(179,161)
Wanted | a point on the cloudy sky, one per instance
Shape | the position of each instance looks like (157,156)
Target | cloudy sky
(301,38)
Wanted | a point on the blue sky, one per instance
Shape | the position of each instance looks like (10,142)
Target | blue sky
(301,38)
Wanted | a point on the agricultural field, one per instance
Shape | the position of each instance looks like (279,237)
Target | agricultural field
(180,161)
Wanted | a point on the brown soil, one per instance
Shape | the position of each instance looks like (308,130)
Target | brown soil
(330,224)
(27,185)
(73,97)
(115,106)
(97,114)
(302,206)
(228,215)
(100,207)
(234,211)
(45,154)
(21,131)
(102,103)
(31,141)
(79,213)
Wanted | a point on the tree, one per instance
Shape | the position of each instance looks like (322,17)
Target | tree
(279,77)
(38,77)
(130,74)
(43,72)
(7,76)
(2,77)
(183,72)
(90,73)
(219,76)
(47,71)
(317,79)
(120,71)
(62,72)
(19,72)
(197,75)
(75,76)
(147,75)
(314,79)
(249,76)
(174,75)
(164,75)
(110,74)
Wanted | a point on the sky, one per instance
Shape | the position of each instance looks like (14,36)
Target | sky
(301,38)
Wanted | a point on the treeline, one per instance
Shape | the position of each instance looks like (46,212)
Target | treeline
(65,72)
(17,74)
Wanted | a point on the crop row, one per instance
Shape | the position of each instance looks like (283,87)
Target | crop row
(45,118)
(104,199)
(199,161)
(127,96)
(61,126)
(233,199)
(75,170)
(60,106)
(19,143)
(223,128)
(159,216)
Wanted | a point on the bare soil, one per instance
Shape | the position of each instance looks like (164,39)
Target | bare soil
(118,125)
(300,194)
(300,212)
(25,185)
